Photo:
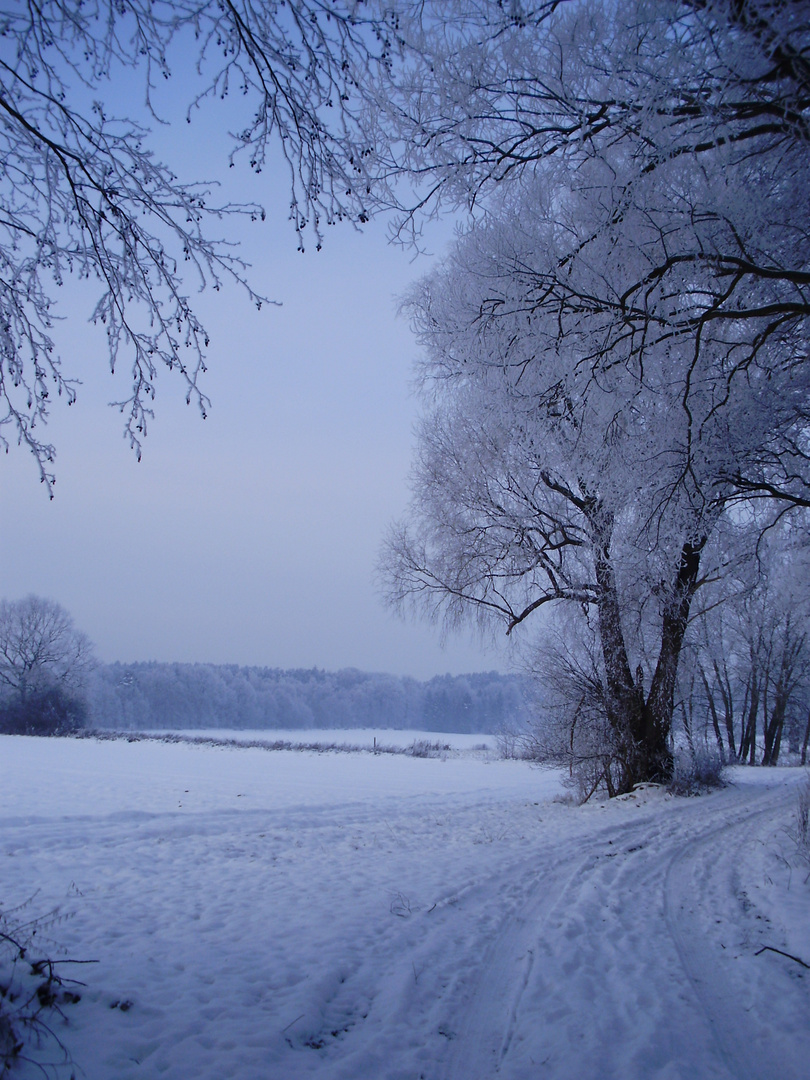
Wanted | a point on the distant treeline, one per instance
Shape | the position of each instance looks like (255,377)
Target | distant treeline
(156,695)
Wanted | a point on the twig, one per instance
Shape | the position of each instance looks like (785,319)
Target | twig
(295,1021)
(770,948)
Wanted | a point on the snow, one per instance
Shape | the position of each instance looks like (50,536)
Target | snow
(271,916)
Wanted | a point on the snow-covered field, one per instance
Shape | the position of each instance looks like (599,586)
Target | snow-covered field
(271,916)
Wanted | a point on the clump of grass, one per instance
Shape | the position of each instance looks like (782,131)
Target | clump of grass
(424,748)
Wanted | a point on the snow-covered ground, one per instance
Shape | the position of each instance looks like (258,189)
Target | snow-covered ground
(271,916)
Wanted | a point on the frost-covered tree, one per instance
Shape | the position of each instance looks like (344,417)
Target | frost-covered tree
(44,665)
(82,194)
(749,674)
(687,125)
(492,92)
(617,350)
(566,457)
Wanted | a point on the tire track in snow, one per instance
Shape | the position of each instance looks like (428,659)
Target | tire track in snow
(723,970)
(621,981)
(494,1012)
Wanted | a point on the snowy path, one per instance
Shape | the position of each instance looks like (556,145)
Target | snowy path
(634,957)
(348,917)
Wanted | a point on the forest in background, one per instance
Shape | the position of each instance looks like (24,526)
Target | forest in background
(149,695)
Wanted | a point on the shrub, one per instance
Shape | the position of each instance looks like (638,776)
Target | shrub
(696,771)
(423,748)
(50,711)
(32,997)
(513,744)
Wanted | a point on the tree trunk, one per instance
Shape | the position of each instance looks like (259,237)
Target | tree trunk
(773,728)
(625,703)
(792,648)
(686,717)
(642,728)
(724,684)
(748,742)
(713,710)
(661,699)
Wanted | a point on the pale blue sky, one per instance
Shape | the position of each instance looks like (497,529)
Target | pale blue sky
(250,538)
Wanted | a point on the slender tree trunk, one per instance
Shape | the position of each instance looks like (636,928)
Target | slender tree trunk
(806,740)
(748,742)
(687,726)
(752,733)
(713,710)
(766,686)
(777,743)
(724,685)
(744,719)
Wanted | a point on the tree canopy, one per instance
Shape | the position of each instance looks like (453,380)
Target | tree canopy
(615,351)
